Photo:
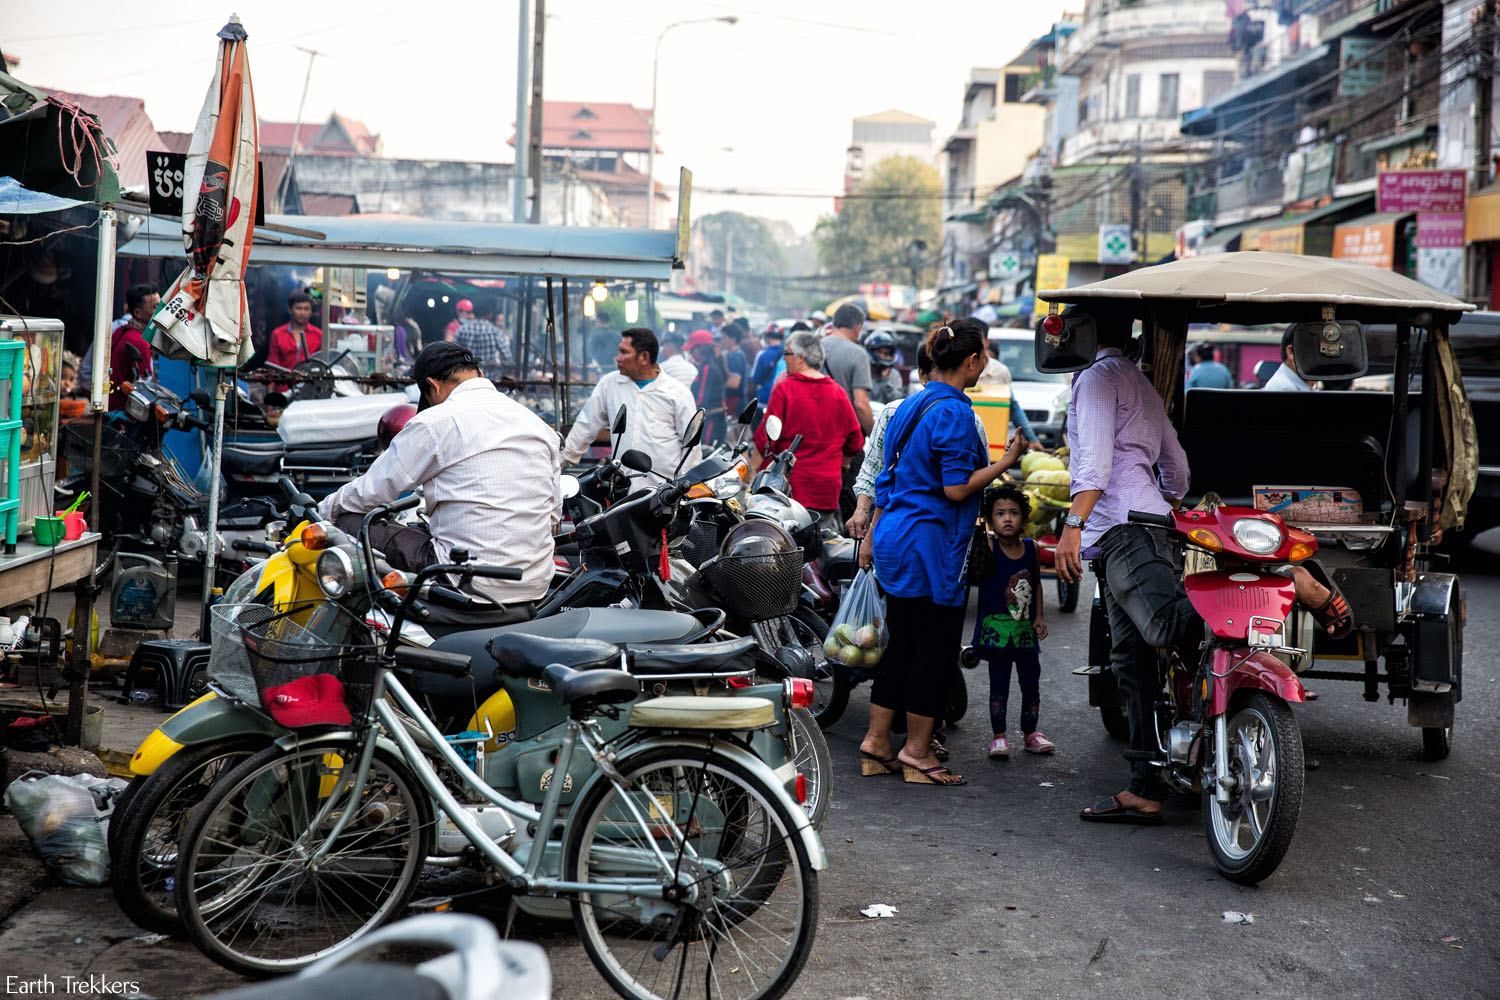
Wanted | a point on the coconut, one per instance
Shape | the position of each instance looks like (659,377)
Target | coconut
(1055,484)
(831,646)
(846,633)
(850,655)
(1036,461)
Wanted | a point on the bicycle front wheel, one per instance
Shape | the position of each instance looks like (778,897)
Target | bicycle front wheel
(741,907)
(250,894)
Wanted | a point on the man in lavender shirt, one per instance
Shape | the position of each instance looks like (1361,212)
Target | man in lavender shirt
(1125,457)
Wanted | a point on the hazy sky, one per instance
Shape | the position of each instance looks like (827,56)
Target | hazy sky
(763,105)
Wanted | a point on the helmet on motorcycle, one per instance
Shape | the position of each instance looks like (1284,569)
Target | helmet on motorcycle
(392,421)
(756,537)
(881,346)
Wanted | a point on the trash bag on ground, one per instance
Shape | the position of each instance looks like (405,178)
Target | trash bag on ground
(66,818)
(857,637)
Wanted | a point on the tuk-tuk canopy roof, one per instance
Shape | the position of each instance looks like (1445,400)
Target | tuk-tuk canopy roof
(428,245)
(1255,286)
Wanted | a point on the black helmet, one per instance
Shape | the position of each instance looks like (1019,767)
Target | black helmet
(881,340)
(756,537)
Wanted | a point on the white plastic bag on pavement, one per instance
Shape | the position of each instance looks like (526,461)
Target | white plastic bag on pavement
(857,637)
(66,817)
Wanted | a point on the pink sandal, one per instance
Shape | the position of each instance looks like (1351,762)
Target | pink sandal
(1038,743)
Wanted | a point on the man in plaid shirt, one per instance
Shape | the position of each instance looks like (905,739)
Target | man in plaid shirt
(486,341)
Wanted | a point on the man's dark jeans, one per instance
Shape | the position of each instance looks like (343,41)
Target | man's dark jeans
(1140,584)
(406,547)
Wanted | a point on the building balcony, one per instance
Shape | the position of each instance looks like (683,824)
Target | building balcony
(1099,138)
(1141,20)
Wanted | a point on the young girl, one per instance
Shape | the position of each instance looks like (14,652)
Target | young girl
(1010,626)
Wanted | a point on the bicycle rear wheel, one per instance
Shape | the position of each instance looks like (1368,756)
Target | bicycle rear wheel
(247,893)
(743,913)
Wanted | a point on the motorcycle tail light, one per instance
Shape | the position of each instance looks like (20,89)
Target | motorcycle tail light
(1053,324)
(801,788)
(315,537)
(800,692)
(1204,538)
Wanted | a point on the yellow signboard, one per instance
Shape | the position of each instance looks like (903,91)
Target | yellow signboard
(1051,272)
(1286,239)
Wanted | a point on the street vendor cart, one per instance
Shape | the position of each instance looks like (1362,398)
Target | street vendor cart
(1378,477)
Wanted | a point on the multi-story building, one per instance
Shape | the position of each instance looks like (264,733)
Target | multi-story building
(881,136)
(606,144)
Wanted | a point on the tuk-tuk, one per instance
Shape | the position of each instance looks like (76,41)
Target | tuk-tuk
(1377,477)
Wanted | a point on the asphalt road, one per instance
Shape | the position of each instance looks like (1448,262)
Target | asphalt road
(1389,890)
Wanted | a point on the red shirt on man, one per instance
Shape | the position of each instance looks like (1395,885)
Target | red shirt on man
(287,348)
(818,409)
(123,366)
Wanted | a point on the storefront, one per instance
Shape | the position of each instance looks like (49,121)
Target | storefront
(1384,239)
(1482,233)
(1308,233)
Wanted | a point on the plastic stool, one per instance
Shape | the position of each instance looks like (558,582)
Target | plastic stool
(180,665)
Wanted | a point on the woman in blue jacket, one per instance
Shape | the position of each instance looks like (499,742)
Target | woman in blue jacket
(926,505)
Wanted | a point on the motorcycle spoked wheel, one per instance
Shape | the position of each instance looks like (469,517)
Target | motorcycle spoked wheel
(1249,836)
(830,679)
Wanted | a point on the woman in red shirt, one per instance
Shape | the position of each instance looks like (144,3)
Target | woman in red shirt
(813,405)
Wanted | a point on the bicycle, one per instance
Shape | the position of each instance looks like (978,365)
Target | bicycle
(688,868)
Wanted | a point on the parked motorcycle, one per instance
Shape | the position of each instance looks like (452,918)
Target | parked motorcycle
(1225,727)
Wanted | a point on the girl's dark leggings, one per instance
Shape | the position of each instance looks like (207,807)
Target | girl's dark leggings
(1028,664)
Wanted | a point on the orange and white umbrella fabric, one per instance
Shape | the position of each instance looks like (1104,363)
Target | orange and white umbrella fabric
(204,317)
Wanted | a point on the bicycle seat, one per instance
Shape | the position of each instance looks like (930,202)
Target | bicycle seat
(708,658)
(520,655)
(602,687)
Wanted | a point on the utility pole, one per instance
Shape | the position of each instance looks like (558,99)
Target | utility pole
(534,148)
(1484,86)
(286,175)
(1137,192)
(729,263)
(523,120)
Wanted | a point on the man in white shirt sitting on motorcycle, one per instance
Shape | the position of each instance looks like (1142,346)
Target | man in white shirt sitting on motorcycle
(657,408)
(488,470)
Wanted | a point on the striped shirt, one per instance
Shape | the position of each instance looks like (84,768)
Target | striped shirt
(488,467)
(1119,437)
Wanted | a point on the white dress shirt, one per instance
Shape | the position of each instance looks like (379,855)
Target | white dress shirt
(656,417)
(681,367)
(488,467)
(1286,380)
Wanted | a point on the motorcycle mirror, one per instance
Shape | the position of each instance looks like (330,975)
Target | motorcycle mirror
(636,461)
(618,427)
(773,428)
(693,433)
(202,398)
(570,486)
(747,415)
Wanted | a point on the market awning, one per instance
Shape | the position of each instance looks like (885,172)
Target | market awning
(456,247)
(1370,239)
(1289,233)
(31,146)
(17,199)
(1223,239)
(1204,120)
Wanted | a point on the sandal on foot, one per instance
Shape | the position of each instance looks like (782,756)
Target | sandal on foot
(939,775)
(938,750)
(1335,616)
(1112,810)
(871,766)
(999,748)
(1037,742)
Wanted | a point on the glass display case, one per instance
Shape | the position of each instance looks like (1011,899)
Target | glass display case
(40,392)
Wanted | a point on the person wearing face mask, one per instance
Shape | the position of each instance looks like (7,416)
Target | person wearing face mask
(488,470)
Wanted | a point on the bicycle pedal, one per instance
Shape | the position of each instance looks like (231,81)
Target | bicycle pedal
(432,904)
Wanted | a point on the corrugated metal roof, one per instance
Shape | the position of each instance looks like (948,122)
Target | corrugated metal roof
(124,121)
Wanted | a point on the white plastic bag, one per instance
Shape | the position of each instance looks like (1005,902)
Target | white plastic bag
(66,817)
(858,635)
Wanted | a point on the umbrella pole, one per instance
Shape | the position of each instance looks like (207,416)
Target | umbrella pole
(211,551)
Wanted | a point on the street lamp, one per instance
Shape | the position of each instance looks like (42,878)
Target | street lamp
(651,141)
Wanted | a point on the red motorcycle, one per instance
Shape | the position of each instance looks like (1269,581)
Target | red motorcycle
(1225,727)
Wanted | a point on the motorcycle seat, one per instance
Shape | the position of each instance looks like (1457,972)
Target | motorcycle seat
(336,455)
(521,655)
(728,656)
(607,687)
(252,460)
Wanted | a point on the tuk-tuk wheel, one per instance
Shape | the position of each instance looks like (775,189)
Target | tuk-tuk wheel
(1437,742)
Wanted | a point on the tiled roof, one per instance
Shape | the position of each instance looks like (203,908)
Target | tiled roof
(595,125)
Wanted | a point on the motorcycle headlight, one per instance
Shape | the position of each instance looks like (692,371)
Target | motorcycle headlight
(1258,536)
(335,573)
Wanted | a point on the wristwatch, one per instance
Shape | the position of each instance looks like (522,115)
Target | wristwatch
(1072,520)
